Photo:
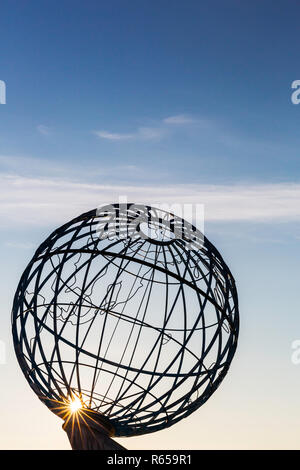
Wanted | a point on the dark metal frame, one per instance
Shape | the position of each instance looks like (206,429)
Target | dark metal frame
(174,377)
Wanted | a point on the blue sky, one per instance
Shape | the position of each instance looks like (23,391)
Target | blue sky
(162,101)
(72,70)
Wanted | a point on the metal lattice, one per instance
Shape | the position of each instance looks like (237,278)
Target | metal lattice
(142,329)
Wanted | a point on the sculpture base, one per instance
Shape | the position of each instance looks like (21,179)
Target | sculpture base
(88,430)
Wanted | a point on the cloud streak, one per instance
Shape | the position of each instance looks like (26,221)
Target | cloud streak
(142,133)
(161,130)
(48,202)
(181,119)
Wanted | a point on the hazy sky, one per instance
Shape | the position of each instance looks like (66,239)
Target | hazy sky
(162,102)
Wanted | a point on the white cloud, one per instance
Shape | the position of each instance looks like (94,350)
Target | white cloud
(142,133)
(184,120)
(113,135)
(162,129)
(180,119)
(45,201)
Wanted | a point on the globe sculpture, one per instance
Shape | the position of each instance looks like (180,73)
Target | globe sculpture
(124,322)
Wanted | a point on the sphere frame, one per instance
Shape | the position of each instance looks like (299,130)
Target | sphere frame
(185,267)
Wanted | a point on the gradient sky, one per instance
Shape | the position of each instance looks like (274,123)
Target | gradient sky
(162,102)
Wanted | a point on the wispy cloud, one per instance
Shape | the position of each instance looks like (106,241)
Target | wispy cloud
(113,135)
(142,133)
(180,119)
(42,201)
(161,129)
(44,130)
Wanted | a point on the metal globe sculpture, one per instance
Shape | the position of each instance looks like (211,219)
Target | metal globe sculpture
(129,314)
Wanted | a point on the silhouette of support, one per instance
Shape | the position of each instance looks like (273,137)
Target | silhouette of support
(88,430)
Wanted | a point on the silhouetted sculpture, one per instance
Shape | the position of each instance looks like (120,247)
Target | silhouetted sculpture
(124,322)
